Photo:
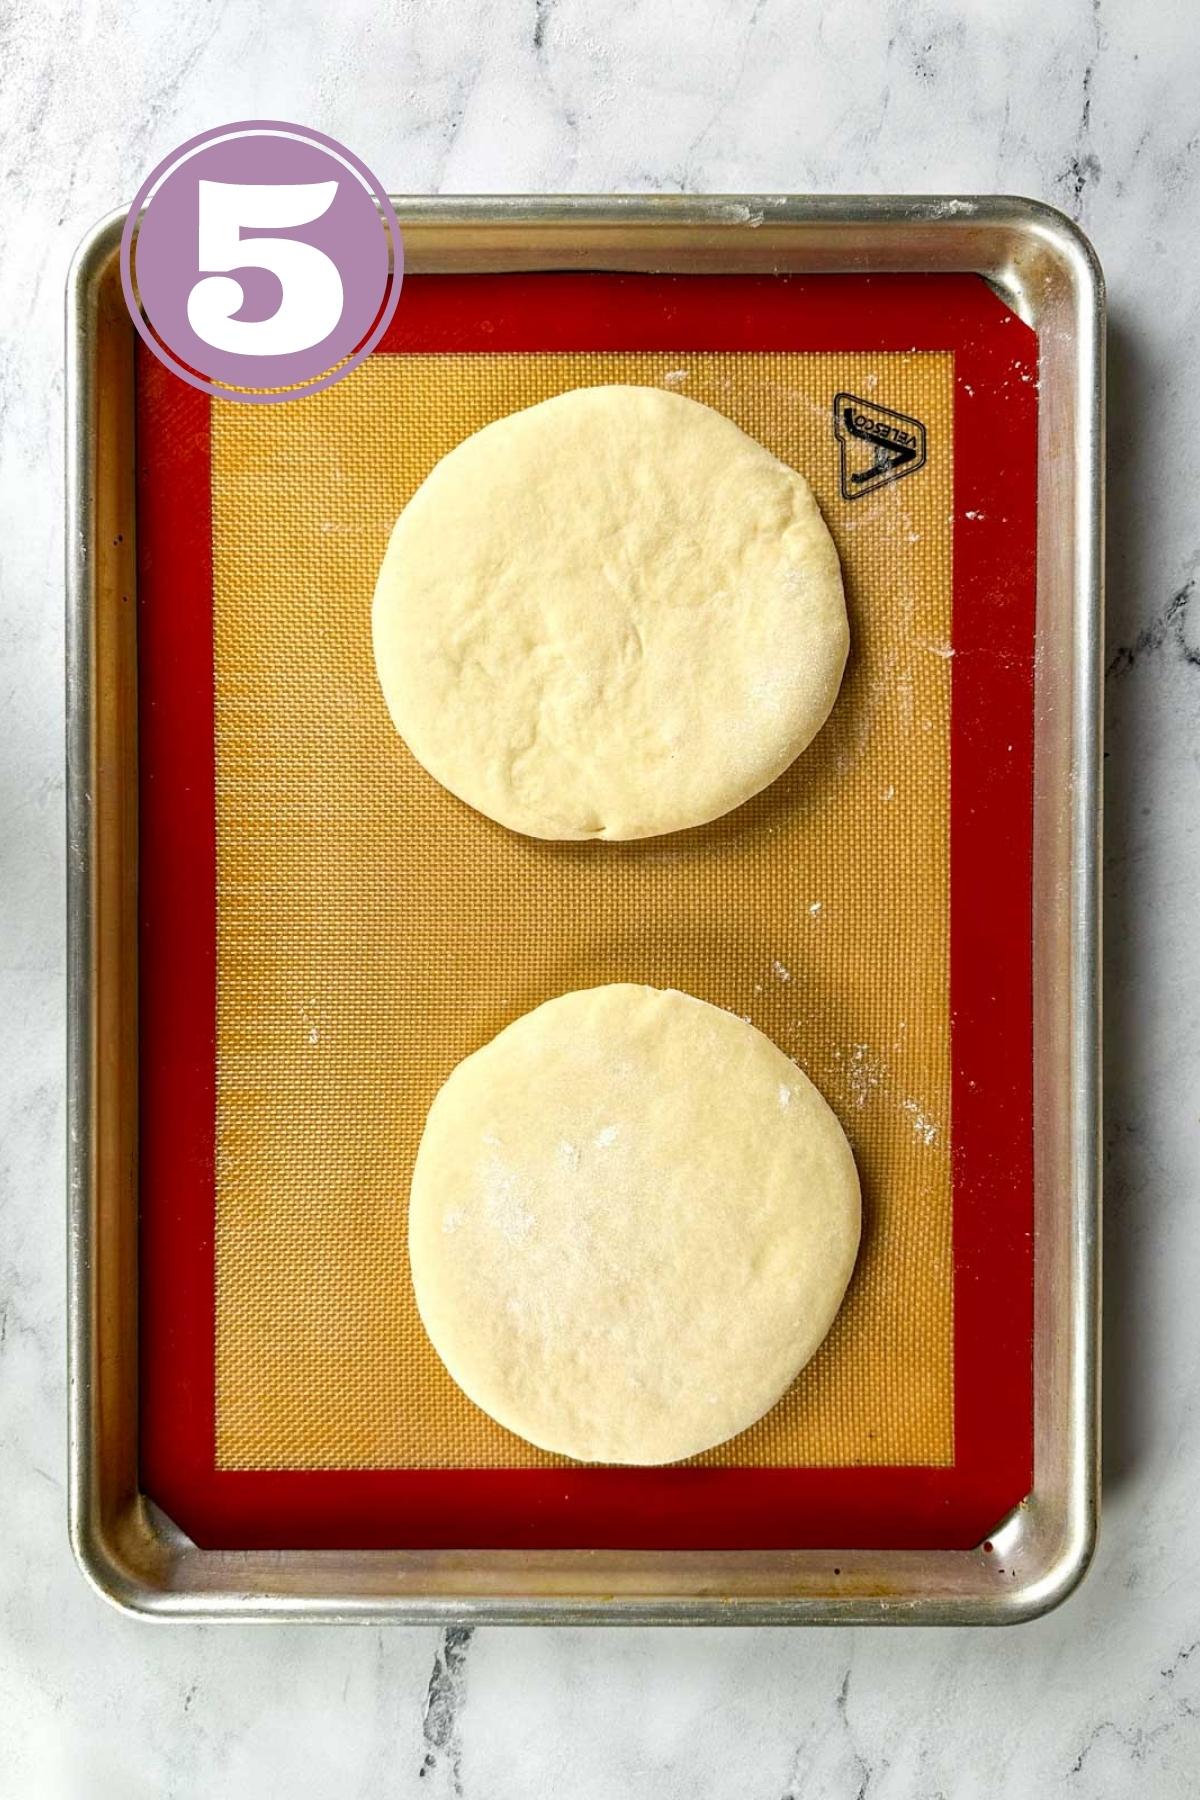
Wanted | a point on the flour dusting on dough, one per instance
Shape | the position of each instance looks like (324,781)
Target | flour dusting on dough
(503,1203)
(662,1295)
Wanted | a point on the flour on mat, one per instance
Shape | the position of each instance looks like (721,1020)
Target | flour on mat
(924,1128)
(861,1072)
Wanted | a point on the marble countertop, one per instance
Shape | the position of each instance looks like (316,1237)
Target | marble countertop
(1091,104)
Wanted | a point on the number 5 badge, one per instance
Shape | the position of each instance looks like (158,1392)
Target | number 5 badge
(261,261)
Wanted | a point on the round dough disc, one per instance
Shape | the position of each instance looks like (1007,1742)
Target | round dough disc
(609,616)
(632,1222)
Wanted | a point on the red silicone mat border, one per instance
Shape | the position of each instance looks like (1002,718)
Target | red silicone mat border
(990,956)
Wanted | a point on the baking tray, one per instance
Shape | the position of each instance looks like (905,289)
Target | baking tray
(138,1557)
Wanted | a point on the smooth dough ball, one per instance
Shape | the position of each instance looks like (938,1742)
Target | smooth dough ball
(633,1220)
(609,616)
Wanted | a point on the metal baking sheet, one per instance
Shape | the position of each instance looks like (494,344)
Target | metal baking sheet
(1047,275)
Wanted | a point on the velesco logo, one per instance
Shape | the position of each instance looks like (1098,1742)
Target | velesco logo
(261,261)
(875,444)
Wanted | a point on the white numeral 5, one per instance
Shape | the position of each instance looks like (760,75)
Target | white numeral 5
(312,288)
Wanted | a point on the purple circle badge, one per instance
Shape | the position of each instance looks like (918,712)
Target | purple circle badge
(261,261)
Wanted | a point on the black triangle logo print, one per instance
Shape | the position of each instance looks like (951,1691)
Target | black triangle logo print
(876,445)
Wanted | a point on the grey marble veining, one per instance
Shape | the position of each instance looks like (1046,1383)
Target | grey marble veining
(1093,104)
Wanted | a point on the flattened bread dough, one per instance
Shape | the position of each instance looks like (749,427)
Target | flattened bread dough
(632,1222)
(609,616)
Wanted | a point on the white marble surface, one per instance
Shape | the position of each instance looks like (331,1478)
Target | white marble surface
(1089,103)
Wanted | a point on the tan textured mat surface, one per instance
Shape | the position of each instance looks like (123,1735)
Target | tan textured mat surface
(372,930)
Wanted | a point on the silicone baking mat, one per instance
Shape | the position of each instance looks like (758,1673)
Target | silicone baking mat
(326,931)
